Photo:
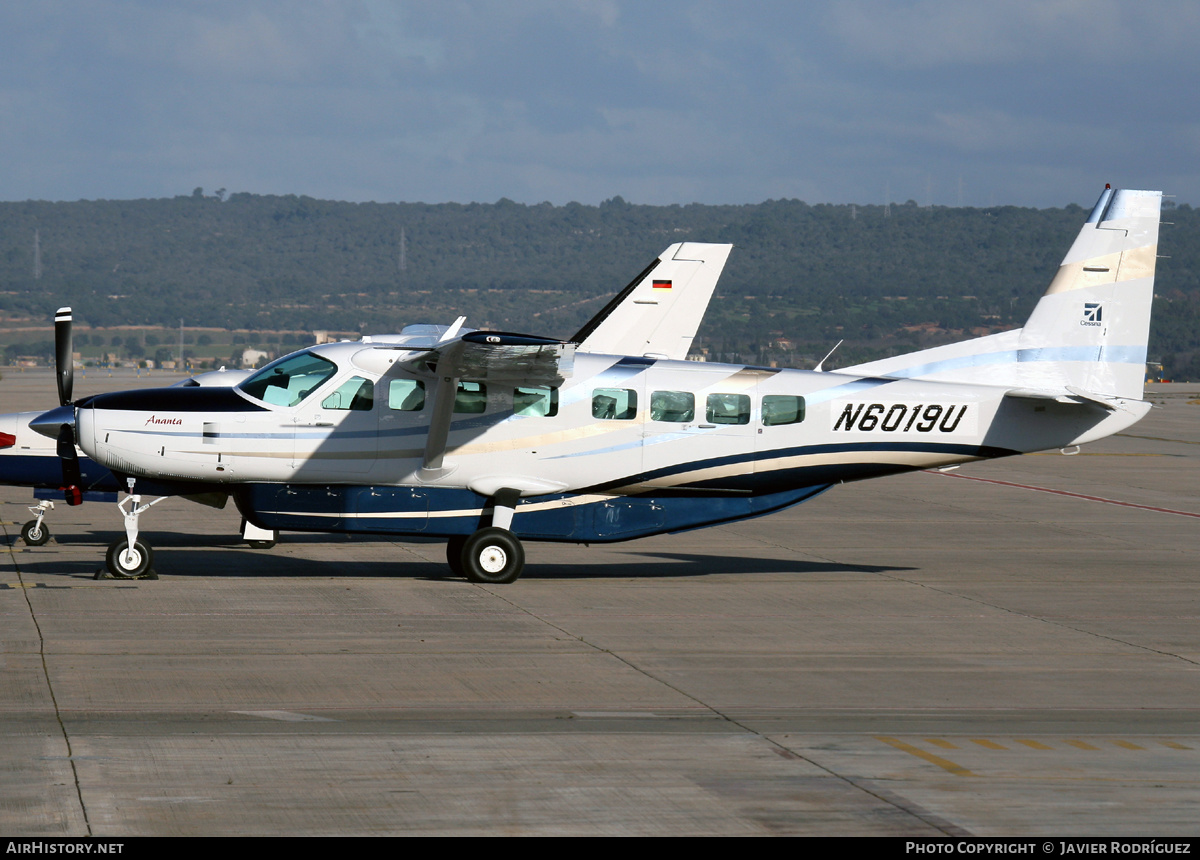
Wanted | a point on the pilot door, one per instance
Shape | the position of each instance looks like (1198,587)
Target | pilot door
(337,433)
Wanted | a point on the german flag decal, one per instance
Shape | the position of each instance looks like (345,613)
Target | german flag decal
(662,285)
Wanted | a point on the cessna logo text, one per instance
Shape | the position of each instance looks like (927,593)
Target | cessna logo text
(153,419)
(905,418)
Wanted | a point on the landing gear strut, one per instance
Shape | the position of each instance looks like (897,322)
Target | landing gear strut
(492,555)
(127,557)
(35,532)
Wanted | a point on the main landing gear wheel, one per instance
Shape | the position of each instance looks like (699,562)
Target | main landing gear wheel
(125,564)
(35,533)
(493,556)
(454,554)
(261,544)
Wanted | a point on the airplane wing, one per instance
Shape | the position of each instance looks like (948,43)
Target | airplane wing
(497,356)
(483,356)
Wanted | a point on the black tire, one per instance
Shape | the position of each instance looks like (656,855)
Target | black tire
(261,544)
(138,566)
(35,535)
(493,556)
(454,554)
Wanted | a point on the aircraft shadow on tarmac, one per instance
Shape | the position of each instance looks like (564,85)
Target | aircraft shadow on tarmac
(217,556)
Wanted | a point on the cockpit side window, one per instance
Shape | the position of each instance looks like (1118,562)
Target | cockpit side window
(355,394)
(288,381)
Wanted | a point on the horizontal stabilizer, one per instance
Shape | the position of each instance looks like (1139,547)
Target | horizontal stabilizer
(1079,397)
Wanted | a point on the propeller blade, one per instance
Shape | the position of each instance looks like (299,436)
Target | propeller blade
(63,365)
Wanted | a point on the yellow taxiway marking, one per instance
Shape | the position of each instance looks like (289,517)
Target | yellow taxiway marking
(939,742)
(986,744)
(1037,745)
(989,744)
(944,764)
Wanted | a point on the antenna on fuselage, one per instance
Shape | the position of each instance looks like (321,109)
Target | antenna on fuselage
(820,368)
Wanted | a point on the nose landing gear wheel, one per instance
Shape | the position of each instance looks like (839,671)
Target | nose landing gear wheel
(123,563)
(493,556)
(34,534)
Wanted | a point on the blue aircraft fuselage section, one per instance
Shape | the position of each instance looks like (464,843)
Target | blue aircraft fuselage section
(433,512)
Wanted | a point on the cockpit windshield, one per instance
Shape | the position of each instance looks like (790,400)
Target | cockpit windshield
(288,381)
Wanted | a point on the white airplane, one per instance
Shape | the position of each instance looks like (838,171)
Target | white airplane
(489,439)
(656,315)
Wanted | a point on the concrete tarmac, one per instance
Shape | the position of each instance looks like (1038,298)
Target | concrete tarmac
(1011,649)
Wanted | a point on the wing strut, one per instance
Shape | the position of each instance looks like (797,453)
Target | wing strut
(439,427)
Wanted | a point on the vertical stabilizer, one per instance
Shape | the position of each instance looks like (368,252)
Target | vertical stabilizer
(1088,332)
(659,312)
(1091,328)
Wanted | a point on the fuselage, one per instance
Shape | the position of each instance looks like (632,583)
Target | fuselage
(617,426)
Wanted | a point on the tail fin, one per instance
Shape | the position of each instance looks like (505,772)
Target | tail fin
(1088,332)
(659,312)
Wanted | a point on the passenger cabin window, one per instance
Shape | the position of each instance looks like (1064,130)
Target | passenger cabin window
(619,404)
(355,394)
(288,381)
(471,398)
(535,400)
(675,406)
(782,409)
(406,395)
(728,409)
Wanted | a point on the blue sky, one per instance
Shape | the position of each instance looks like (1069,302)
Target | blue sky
(1027,103)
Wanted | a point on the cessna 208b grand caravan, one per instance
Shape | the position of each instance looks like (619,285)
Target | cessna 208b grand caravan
(489,439)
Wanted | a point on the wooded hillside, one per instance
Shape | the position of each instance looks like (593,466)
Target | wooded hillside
(800,278)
